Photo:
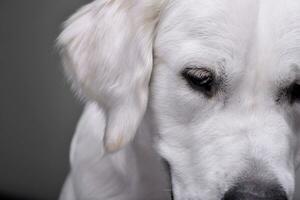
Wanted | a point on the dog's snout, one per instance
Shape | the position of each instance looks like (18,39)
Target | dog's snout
(255,191)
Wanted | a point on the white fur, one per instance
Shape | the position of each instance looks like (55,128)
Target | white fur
(107,46)
(241,132)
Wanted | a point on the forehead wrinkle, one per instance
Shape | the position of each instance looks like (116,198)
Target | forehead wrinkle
(290,40)
(222,30)
(277,45)
(258,36)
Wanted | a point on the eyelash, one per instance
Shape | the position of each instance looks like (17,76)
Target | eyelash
(200,79)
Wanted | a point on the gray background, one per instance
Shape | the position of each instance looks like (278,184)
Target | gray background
(38,113)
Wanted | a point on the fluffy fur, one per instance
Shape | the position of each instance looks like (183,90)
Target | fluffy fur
(110,48)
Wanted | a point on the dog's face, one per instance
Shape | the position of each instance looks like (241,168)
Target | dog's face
(226,97)
(224,88)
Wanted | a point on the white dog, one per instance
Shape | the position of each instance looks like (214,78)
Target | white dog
(222,106)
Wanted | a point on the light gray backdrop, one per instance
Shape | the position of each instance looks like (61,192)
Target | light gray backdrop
(38,113)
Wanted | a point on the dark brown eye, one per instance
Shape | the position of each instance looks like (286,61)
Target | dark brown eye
(294,92)
(200,79)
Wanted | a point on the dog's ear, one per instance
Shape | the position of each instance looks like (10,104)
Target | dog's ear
(107,53)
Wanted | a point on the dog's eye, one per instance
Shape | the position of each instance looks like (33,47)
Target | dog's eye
(294,92)
(200,79)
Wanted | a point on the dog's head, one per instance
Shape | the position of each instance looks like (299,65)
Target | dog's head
(225,87)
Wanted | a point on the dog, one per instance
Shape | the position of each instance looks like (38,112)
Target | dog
(184,99)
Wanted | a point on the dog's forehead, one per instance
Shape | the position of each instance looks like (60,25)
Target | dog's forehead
(248,34)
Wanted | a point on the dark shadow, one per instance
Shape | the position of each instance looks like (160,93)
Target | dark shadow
(6,196)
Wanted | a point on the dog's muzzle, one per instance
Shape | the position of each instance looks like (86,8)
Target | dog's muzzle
(255,190)
(246,190)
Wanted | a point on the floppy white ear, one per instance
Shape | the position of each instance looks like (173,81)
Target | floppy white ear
(107,54)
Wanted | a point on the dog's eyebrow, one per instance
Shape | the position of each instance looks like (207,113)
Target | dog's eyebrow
(209,62)
(292,76)
(296,69)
